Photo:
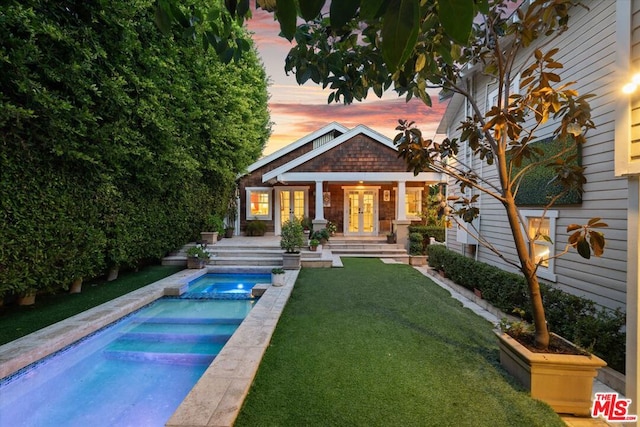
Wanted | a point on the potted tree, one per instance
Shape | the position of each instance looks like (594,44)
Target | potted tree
(313,244)
(277,276)
(292,239)
(215,226)
(197,256)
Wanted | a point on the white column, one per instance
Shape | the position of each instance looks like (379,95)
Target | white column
(401,212)
(319,202)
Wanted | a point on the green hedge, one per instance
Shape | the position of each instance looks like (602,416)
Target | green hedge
(438,233)
(577,319)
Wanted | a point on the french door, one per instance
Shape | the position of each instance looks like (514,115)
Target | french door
(293,204)
(361,212)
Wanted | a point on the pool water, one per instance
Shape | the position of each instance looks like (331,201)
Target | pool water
(225,286)
(135,372)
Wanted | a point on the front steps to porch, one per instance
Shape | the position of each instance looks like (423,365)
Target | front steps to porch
(265,253)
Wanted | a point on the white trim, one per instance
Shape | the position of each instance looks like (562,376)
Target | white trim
(247,212)
(547,273)
(360,129)
(433,177)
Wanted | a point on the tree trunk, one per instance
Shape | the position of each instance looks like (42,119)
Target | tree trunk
(528,268)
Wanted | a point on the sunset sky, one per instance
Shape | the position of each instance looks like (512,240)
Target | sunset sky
(299,110)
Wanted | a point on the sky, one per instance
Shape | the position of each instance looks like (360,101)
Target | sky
(297,110)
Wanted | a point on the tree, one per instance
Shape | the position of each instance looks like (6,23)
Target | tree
(414,48)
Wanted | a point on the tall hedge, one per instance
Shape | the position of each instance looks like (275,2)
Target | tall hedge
(116,141)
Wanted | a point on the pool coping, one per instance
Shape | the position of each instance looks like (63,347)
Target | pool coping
(217,397)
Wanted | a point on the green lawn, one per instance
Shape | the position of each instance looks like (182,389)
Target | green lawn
(381,345)
(20,321)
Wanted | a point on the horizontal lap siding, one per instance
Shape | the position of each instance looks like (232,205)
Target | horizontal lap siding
(587,51)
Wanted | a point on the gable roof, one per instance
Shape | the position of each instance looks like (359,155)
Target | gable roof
(360,129)
(331,127)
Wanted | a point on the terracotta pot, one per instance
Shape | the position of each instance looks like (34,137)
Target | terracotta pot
(564,381)
(27,299)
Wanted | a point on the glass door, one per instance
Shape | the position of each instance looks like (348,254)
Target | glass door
(292,205)
(361,212)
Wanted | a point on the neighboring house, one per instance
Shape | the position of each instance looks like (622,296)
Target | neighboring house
(601,53)
(351,177)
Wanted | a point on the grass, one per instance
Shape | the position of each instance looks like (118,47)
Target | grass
(376,345)
(20,321)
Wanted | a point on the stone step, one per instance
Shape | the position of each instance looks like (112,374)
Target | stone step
(245,260)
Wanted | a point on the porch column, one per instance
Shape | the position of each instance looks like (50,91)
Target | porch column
(319,203)
(401,222)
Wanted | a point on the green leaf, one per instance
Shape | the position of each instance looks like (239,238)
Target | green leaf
(162,18)
(583,248)
(309,9)
(369,9)
(242,8)
(456,17)
(286,12)
(342,12)
(399,32)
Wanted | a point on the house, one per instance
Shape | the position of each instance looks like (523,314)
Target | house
(351,177)
(600,52)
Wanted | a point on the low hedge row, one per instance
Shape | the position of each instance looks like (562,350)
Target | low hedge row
(577,319)
(429,230)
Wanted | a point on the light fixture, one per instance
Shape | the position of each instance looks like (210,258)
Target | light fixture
(631,87)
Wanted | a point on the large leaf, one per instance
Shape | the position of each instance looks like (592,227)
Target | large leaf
(456,17)
(399,32)
(370,9)
(342,12)
(286,11)
(309,9)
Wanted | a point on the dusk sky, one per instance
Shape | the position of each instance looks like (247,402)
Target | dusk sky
(299,110)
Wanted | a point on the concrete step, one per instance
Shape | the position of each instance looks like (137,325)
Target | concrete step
(245,260)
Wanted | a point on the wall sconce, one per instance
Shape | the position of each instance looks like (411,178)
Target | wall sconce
(631,87)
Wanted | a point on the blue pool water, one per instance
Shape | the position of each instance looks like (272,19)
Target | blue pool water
(225,286)
(135,372)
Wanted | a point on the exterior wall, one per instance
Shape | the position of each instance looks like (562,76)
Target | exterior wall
(587,51)
(359,154)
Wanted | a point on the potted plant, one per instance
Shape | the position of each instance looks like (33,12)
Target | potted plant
(332,228)
(391,237)
(322,235)
(417,256)
(277,276)
(292,239)
(313,244)
(197,256)
(256,227)
(215,227)
(307,225)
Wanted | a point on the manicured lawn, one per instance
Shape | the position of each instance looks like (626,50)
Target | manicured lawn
(20,321)
(381,345)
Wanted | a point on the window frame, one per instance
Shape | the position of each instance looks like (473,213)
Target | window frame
(251,190)
(543,272)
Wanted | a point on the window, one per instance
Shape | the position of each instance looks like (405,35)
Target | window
(537,227)
(258,203)
(413,202)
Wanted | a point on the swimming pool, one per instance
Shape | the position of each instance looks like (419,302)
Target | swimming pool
(132,373)
(225,285)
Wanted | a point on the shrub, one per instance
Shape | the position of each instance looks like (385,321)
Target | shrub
(578,319)
(438,233)
(416,246)
(256,227)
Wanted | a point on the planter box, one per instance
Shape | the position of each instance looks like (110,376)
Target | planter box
(418,260)
(193,262)
(277,279)
(563,381)
(209,237)
(291,261)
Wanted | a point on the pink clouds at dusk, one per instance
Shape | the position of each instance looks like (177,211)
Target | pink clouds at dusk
(299,110)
